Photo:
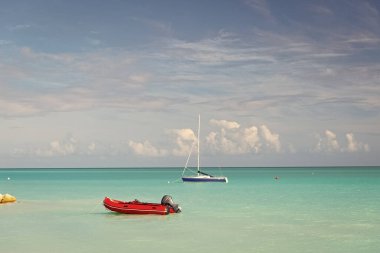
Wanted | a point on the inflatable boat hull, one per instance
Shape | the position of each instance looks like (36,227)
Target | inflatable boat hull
(136,207)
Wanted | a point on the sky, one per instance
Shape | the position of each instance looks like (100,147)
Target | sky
(113,83)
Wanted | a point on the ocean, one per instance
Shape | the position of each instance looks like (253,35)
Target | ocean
(328,209)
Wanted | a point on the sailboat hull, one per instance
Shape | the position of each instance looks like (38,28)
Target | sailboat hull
(205,179)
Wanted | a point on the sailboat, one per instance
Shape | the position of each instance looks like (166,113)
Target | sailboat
(200,176)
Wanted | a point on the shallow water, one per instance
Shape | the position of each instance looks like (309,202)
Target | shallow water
(305,210)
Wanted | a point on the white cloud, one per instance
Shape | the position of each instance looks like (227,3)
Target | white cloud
(252,139)
(47,82)
(233,139)
(229,138)
(332,142)
(321,10)
(225,124)
(20,108)
(19,27)
(261,7)
(146,149)
(184,141)
(329,143)
(102,148)
(220,50)
(68,146)
(225,141)
(353,145)
(272,139)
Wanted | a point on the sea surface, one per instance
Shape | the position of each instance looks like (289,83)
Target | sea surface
(329,209)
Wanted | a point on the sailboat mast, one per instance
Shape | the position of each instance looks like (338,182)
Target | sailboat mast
(199,129)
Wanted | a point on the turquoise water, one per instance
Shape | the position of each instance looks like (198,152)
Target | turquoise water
(305,210)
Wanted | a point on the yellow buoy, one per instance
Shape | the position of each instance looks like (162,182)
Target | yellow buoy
(7,198)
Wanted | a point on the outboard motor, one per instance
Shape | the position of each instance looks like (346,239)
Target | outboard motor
(167,200)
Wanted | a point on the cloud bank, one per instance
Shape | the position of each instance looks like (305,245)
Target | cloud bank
(228,138)
(231,138)
(328,142)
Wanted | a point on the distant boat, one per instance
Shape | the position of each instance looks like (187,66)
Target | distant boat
(200,176)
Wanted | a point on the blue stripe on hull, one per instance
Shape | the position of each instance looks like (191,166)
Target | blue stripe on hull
(189,179)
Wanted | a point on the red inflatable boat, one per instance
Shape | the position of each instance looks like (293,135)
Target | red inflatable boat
(136,207)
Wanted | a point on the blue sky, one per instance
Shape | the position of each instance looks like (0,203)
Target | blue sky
(121,83)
